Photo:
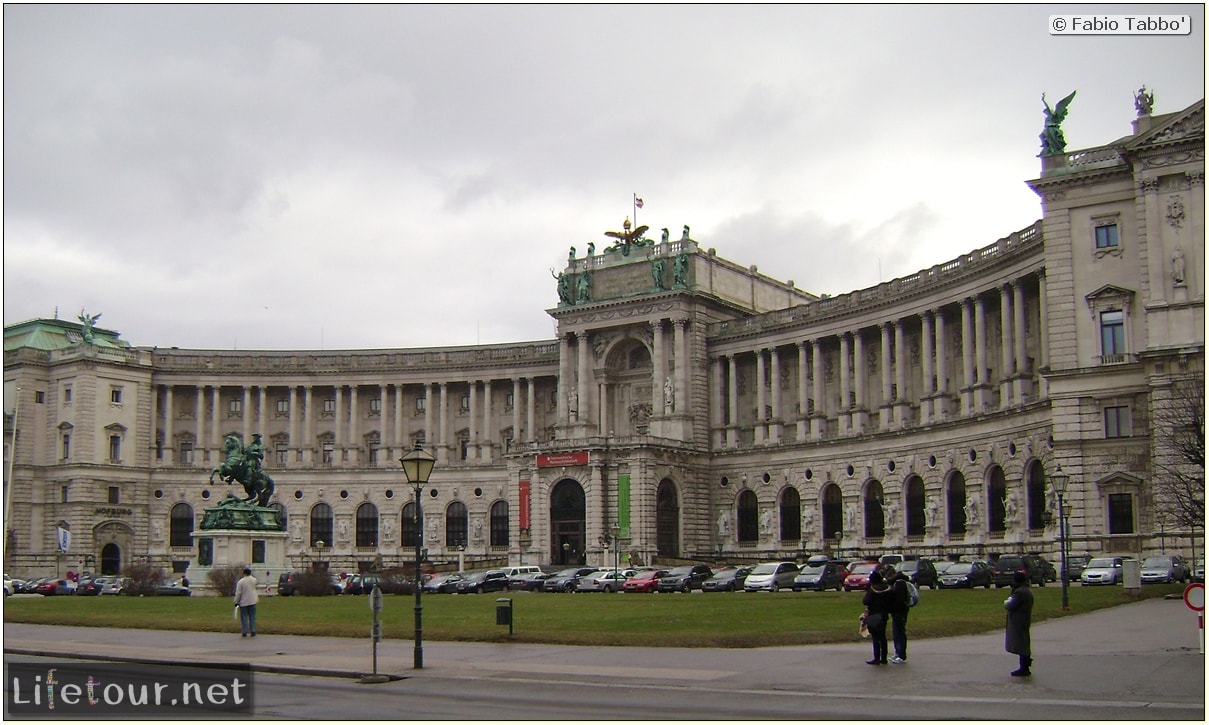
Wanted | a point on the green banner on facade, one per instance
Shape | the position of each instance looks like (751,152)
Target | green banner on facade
(623,504)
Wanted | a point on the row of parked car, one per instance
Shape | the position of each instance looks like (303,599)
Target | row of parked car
(85,586)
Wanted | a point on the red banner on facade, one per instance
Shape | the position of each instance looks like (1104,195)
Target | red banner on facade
(579,458)
(524,486)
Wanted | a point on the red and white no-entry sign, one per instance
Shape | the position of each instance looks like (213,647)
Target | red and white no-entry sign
(1194,599)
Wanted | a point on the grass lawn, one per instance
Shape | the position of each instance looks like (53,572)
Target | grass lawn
(668,620)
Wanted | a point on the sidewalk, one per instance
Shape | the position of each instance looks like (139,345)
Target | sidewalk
(1137,653)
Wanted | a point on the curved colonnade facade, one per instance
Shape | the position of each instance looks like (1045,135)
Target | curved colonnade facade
(691,408)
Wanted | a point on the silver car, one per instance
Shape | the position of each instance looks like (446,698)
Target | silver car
(1102,570)
(1159,569)
(772,577)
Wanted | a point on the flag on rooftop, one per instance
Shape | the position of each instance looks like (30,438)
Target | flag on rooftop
(637,201)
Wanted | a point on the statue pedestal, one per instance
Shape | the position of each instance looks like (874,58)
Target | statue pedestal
(239,534)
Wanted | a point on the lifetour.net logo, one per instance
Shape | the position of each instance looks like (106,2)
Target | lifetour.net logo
(107,689)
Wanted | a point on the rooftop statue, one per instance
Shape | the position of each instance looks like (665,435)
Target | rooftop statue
(564,287)
(243,465)
(1052,140)
(89,322)
(628,238)
(1143,101)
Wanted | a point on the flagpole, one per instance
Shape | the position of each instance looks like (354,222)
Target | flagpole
(634,202)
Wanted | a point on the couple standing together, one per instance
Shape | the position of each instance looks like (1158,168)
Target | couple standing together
(887,598)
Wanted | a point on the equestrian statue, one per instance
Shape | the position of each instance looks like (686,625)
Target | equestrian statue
(244,464)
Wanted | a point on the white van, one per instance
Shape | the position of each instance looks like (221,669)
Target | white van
(514,571)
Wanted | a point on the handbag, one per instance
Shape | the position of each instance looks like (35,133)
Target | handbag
(864,630)
(237,612)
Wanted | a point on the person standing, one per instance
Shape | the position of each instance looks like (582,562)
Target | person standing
(1019,608)
(878,601)
(898,613)
(246,598)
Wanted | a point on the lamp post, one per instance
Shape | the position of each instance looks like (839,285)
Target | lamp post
(616,548)
(1060,480)
(417,466)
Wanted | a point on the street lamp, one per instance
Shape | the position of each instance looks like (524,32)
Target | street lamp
(417,466)
(616,548)
(1060,481)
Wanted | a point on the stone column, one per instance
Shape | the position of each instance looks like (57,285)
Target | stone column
(777,426)
(443,424)
(295,440)
(887,397)
(215,412)
(818,419)
(399,435)
(472,432)
(602,418)
(901,362)
(967,356)
(199,424)
(339,424)
(1043,334)
(485,451)
(681,377)
(940,407)
(1005,344)
(927,388)
(861,368)
(517,439)
(583,374)
(761,431)
(732,431)
(716,408)
(169,432)
(262,418)
(354,427)
(1022,383)
(845,411)
(657,407)
(245,414)
(430,433)
(308,426)
(531,411)
(803,394)
(564,376)
(982,386)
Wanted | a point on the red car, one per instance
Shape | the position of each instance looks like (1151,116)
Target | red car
(858,575)
(51,587)
(644,581)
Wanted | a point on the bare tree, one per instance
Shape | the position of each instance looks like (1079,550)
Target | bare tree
(1179,453)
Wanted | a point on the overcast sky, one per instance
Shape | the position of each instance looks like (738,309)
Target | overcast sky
(306,177)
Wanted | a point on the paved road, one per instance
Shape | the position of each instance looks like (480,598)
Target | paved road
(1141,661)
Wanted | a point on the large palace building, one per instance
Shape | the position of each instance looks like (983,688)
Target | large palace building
(691,408)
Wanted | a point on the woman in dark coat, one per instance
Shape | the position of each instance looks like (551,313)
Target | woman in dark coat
(878,601)
(1019,608)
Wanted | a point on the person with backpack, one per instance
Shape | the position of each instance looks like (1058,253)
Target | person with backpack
(878,601)
(906,595)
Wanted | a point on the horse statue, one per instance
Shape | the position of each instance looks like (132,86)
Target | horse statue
(243,465)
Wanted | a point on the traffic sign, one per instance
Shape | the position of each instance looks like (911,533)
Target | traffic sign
(1194,596)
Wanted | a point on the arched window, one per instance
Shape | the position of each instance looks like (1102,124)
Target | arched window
(996,508)
(499,523)
(749,513)
(833,512)
(791,515)
(180,525)
(1036,496)
(875,519)
(916,517)
(321,524)
(408,531)
(456,524)
(956,503)
(367,524)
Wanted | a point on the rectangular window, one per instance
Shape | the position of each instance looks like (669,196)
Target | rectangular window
(234,406)
(375,405)
(1116,422)
(329,406)
(283,407)
(465,402)
(63,494)
(115,448)
(465,447)
(421,404)
(1112,333)
(1120,513)
(115,494)
(373,455)
(115,396)
(327,453)
(67,395)
(66,446)
(186,452)
(1106,236)
(283,456)
(39,396)
(258,556)
(509,401)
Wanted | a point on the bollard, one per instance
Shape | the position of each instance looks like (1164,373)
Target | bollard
(503,613)
(375,635)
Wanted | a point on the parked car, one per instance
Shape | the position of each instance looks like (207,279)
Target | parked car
(51,587)
(942,566)
(528,582)
(684,578)
(1051,573)
(171,589)
(1007,566)
(1198,571)
(858,575)
(1166,568)
(287,583)
(113,585)
(1102,570)
(921,572)
(1074,566)
(442,583)
(644,581)
(772,576)
(90,586)
(513,572)
(363,584)
(31,585)
(9,587)
(494,580)
(565,580)
(967,574)
(727,579)
(819,577)
(605,580)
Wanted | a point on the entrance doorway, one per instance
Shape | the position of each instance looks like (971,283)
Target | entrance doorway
(568,507)
(111,560)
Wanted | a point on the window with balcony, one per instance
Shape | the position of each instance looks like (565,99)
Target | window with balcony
(1112,336)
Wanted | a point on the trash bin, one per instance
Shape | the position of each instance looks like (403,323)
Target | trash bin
(503,611)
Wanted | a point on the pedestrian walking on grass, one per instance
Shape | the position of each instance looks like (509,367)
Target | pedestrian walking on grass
(878,601)
(1019,608)
(245,599)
